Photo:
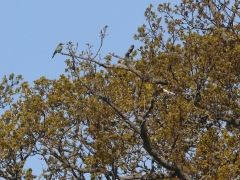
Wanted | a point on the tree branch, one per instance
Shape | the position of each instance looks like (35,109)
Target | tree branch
(124,67)
(158,158)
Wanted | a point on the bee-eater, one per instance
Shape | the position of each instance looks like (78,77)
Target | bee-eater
(58,49)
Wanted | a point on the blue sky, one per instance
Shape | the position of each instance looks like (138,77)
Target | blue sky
(30,31)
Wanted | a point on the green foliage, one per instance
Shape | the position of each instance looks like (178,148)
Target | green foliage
(171,114)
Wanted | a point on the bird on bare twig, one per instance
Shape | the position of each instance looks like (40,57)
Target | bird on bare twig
(129,51)
(58,49)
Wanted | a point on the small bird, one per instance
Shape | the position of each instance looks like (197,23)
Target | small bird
(58,49)
(129,51)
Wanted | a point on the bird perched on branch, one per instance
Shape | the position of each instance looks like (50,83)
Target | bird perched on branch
(58,49)
(131,48)
(129,51)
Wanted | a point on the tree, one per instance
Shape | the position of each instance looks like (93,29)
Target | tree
(168,109)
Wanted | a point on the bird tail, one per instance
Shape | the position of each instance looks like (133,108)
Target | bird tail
(54,54)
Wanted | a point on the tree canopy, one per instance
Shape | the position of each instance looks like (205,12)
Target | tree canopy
(168,109)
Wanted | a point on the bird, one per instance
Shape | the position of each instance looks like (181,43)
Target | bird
(129,51)
(58,49)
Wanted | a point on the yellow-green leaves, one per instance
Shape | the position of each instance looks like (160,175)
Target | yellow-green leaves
(170,110)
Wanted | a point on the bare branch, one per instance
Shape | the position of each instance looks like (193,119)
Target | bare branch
(145,77)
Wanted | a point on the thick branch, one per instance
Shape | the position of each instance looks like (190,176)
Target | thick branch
(158,158)
(231,120)
(120,113)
